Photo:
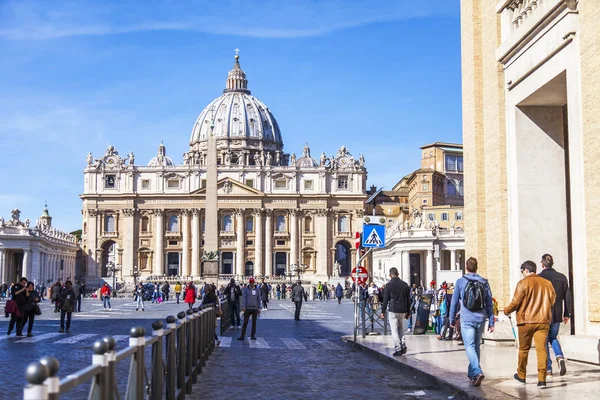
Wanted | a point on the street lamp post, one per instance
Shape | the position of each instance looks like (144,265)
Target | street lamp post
(135,273)
(113,268)
(296,269)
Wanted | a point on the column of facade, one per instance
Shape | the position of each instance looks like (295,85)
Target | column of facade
(92,239)
(294,237)
(158,267)
(321,228)
(258,254)
(239,243)
(185,252)
(268,242)
(429,266)
(406,266)
(129,239)
(195,243)
(3,269)
(453,260)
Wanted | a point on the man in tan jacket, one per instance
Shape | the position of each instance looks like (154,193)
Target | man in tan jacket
(533,300)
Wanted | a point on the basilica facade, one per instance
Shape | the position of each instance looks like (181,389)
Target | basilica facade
(277,212)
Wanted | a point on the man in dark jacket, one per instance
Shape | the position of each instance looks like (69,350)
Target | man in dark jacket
(298,294)
(396,300)
(250,308)
(233,292)
(563,298)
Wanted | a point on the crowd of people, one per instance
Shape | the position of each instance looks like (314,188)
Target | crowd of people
(460,312)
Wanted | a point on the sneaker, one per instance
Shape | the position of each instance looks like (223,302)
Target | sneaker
(241,338)
(398,353)
(136,309)
(253,338)
(61,331)
(549,373)
(478,379)
(404,349)
(516,376)
(541,384)
(143,309)
(110,309)
(562,365)
(29,335)
(239,327)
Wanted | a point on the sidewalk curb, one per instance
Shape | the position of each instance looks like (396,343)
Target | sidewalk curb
(440,377)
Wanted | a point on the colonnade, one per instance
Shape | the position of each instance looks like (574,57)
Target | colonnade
(36,265)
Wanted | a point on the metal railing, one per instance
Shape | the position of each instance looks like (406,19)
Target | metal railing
(179,351)
(370,321)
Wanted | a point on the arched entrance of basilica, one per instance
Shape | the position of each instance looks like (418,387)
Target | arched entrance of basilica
(109,253)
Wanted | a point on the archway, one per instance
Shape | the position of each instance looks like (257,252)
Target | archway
(109,254)
(249,268)
(342,257)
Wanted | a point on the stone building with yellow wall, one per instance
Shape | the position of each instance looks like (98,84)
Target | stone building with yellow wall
(531,120)
(424,212)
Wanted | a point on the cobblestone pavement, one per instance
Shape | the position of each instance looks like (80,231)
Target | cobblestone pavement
(73,350)
(304,359)
(290,360)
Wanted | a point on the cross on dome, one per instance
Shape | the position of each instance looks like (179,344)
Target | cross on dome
(236,79)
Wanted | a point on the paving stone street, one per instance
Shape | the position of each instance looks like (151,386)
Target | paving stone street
(289,360)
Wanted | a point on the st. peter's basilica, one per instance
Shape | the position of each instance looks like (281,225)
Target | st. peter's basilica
(276,211)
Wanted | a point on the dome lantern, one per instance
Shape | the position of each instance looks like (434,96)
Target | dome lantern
(236,79)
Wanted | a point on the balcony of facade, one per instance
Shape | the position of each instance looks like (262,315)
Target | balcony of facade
(173,234)
(110,234)
(230,233)
(521,19)
(281,234)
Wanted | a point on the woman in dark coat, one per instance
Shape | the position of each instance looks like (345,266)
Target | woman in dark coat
(210,297)
(32,299)
(264,294)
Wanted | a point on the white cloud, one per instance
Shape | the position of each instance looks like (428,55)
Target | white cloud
(40,20)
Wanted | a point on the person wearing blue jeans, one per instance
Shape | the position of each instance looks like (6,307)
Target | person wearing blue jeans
(560,283)
(472,321)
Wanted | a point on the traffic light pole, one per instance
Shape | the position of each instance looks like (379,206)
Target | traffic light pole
(357,293)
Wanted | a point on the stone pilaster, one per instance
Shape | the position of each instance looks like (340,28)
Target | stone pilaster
(159,234)
(129,239)
(258,228)
(240,239)
(195,243)
(268,242)
(406,266)
(294,237)
(185,243)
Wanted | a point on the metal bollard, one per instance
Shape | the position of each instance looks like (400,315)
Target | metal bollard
(111,358)
(53,381)
(137,378)
(181,355)
(194,343)
(158,373)
(171,380)
(35,374)
(189,347)
(99,390)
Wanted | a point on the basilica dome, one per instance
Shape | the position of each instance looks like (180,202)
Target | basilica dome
(237,116)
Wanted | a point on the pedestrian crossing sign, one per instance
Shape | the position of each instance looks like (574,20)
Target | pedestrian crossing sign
(373,236)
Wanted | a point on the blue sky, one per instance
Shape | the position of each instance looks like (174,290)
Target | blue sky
(381,78)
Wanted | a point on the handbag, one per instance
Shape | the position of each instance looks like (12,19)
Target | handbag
(36,309)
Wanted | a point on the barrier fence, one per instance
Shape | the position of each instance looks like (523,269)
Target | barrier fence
(179,351)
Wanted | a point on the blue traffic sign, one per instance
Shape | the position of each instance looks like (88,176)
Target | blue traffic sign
(373,236)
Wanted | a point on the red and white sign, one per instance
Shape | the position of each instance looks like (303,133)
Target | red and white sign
(360,274)
(357,241)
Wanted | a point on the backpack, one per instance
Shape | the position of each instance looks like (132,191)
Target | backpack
(474,297)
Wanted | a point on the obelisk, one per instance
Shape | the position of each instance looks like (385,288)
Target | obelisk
(211,234)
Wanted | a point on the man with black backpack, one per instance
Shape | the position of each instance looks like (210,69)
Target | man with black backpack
(474,295)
